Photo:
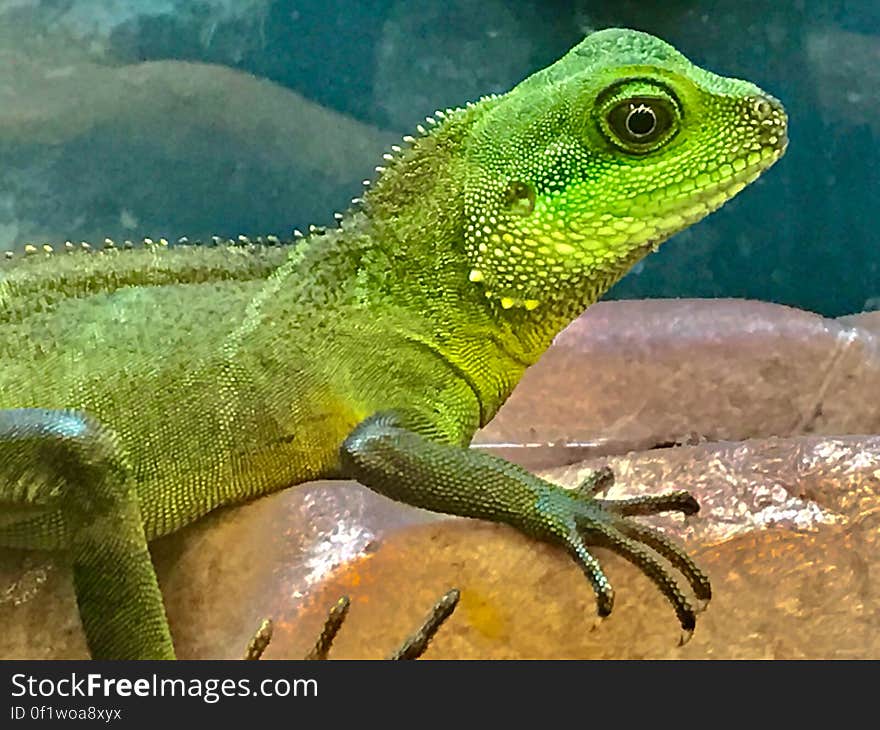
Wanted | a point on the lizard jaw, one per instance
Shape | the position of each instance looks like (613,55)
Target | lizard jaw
(713,197)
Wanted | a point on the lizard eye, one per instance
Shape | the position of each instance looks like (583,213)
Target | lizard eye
(640,124)
(641,121)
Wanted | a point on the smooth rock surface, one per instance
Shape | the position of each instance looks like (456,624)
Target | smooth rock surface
(642,373)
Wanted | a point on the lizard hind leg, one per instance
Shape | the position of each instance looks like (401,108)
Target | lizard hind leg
(65,461)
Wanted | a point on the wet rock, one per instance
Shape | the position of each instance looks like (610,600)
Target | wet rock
(787,532)
(865,320)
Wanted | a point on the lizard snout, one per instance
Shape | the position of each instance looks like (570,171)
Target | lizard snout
(769,114)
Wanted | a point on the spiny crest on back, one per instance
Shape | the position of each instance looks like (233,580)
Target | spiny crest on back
(48,274)
(408,175)
(108,245)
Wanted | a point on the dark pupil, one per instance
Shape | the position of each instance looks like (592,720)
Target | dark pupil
(641,121)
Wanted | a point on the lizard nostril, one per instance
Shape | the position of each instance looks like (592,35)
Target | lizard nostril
(766,107)
(761,108)
(770,115)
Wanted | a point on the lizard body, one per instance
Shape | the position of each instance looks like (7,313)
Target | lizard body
(141,389)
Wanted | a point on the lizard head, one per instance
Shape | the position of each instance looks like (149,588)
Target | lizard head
(584,167)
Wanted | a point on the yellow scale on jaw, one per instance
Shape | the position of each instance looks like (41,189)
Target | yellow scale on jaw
(545,252)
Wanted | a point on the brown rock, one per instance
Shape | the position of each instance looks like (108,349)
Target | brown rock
(636,374)
(791,576)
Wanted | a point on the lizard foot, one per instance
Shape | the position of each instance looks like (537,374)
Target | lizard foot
(579,520)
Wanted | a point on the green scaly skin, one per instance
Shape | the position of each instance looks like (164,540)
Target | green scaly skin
(142,389)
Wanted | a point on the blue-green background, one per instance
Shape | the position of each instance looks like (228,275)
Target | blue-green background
(804,235)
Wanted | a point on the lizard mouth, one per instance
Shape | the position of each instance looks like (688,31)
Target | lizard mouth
(711,197)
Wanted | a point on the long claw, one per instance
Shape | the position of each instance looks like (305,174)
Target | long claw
(592,569)
(333,623)
(412,648)
(260,641)
(682,502)
(597,481)
(642,559)
(416,644)
(679,559)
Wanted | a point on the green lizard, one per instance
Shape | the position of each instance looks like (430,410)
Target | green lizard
(142,389)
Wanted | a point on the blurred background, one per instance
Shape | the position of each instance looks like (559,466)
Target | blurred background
(133,118)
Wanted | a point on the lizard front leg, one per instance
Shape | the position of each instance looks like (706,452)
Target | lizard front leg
(66,462)
(402,456)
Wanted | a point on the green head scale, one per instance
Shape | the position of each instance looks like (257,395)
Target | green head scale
(591,163)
